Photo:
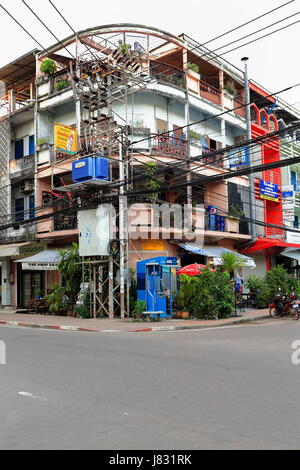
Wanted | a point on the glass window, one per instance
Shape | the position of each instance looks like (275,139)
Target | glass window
(19,209)
(31,207)
(31,145)
(19,149)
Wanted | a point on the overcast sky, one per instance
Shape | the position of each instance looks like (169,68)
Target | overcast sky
(274,59)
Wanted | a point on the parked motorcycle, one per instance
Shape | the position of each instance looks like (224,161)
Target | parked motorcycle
(285,305)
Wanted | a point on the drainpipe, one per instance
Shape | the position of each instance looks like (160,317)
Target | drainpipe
(249,137)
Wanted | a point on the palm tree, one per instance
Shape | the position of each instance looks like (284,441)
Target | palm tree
(231,261)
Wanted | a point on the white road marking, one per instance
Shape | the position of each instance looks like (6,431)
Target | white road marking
(30,395)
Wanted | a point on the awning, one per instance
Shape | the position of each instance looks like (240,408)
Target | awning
(290,253)
(11,250)
(269,246)
(45,261)
(215,252)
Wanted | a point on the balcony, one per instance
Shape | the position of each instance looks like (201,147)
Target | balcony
(167,74)
(169,146)
(15,100)
(228,226)
(210,93)
(216,160)
(171,226)
(64,222)
(22,167)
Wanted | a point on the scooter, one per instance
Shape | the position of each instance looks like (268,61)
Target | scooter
(285,305)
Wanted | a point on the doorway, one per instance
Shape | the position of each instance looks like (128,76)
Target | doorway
(30,284)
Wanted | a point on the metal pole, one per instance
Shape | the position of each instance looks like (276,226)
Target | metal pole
(249,137)
(122,214)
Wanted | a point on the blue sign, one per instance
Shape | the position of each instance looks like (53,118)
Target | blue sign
(287,194)
(269,191)
(239,157)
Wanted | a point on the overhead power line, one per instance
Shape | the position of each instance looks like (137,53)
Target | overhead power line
(247,22)
(48,29)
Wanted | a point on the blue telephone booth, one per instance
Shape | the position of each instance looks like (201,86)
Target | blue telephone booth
(157,285)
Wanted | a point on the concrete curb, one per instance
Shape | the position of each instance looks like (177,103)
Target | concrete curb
(155,329)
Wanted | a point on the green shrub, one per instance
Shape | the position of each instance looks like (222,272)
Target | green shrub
(61,84)
(277,278)
(294,286)
(124,48)
(82,309)
(57,300)
(206,296)
(139,308)
(254,283)
(48,66)
(193,67)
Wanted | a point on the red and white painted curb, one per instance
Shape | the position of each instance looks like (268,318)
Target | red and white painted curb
(47,327)
(138,330)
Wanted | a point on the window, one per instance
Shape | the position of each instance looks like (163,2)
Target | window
(19,149)
(24,147)
(31,145)
(294,180)
(162,126)
(19,209)
(31,207)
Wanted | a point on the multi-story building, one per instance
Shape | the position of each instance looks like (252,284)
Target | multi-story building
(156,83)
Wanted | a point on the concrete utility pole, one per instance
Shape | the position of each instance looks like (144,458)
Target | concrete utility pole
(122,230)
(249,137)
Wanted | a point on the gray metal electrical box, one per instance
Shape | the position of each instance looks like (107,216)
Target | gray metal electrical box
(94,232)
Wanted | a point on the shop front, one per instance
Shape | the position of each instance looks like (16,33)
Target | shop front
(36,275)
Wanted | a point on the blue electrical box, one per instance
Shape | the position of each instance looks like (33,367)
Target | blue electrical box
(157,285)
(90,168)
(83,170)
(101,168)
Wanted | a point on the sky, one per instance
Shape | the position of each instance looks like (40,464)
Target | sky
(274,61)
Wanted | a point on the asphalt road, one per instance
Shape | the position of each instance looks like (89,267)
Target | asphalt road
(231,388)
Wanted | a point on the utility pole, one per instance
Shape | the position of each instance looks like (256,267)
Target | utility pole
(122,229)
(249,137)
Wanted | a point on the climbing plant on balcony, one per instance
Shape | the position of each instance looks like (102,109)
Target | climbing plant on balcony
(193,67)
(151,183)
(61,84)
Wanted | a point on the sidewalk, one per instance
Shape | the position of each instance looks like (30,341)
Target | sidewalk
(118,326)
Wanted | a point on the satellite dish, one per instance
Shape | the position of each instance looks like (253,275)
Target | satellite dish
(281,124)
(139,48)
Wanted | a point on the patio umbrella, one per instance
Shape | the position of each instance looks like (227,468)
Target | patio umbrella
(192,269)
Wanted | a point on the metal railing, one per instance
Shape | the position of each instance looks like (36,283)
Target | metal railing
(169,145)
(65,221)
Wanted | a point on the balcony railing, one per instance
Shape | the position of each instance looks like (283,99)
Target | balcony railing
(214,159)
(220,223)
(167,73)
(59,81)
(210,93)
(14,100)
(169,145)
(65,222)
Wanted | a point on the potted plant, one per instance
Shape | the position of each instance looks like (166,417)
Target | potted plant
(48,66)
(62,84)
(57,300)
(124,48)
(71,271)
(194,137)
(43,143)
(184,299)
(230,92)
